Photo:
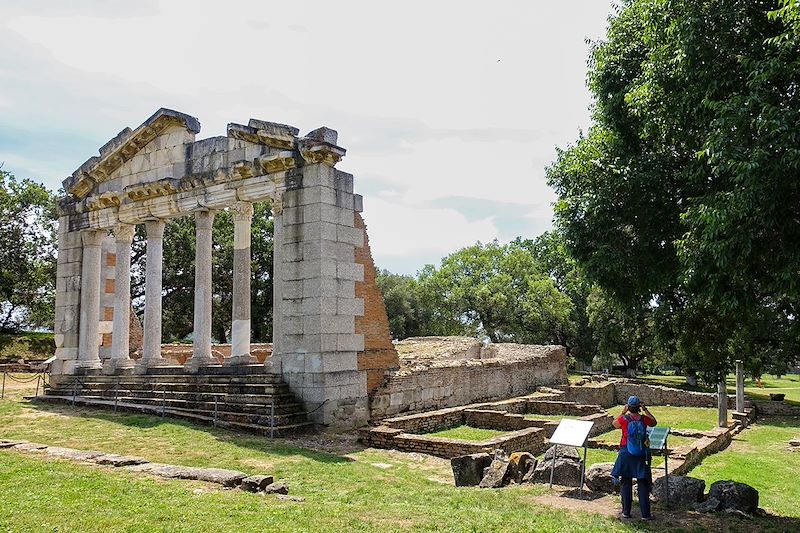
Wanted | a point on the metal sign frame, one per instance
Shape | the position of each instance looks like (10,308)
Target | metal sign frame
(574,433)
(663,450)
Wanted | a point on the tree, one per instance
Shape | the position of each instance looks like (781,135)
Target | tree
(27,254)
(178,275)
(497,291)
(683,194)
(401,295)
(620,331)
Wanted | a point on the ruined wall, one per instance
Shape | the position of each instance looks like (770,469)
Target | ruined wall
(468,381)
(379,354)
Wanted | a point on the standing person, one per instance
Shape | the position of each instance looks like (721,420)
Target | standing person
(633,459)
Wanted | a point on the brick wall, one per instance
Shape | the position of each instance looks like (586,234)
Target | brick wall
(379,353)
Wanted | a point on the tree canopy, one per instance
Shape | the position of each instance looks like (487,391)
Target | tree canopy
(683,195)
(27,254)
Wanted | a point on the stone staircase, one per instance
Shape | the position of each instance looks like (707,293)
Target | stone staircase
(256,402)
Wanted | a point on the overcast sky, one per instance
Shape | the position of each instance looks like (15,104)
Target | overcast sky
(449,111)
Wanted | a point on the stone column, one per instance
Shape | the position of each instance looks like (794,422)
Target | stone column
(273,363)
(740,386)
(151,352)
(201,353)
(722,403)
(120,335)
(240,328)
(89,340)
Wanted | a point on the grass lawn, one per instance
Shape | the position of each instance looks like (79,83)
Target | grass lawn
(346,487)
(788,385)
(467,433)
(700,418)
(759,456)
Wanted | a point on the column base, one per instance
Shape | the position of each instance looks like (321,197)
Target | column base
(68,367)
(196,363)
(116,366)
(273,365)
(89,365)
(236,360)
(142,365)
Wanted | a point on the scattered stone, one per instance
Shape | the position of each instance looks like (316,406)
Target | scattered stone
(793,442)
(11,443)
(598,478)
(72,454)
(520,464)
(226,478)
(570,452)
(711,505)
(498,474)
(31,447)
(256,483)
(682,489)
(733,495)
(737,513)
(112,459)
(279,487)
(566,472)
(382,466)
(286,498)
(468,469)
(777,397)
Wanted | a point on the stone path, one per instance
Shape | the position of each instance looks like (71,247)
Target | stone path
(130,463)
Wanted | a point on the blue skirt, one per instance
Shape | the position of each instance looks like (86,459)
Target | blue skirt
(628,465)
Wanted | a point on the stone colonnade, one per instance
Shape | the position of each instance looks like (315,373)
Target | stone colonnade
(89,357)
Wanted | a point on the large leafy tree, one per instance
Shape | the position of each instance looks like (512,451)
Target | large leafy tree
(408,316)
(683,195)
(499,291)
(27,254)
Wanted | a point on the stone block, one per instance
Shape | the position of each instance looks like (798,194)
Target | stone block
(292,252)
(350,306)
(350,271)
(358,203)
(734,495)
(292,215)
(66,353)
(682,489)
(318,268)
(292,289)
(497,474)
(257,483)
(343,181)
(354,236)
(598,478)
(318,175)
(350,342)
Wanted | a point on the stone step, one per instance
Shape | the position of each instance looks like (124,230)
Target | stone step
(235,421)
(204,388)
(176,378)
(282,399)
(281,409)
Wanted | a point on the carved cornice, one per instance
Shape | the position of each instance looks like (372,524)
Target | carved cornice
(153,189)
(277,163)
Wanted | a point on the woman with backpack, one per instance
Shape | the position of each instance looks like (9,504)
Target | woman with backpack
(633,460)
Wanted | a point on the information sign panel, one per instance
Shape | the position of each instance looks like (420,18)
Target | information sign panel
(572,432)
(658,437)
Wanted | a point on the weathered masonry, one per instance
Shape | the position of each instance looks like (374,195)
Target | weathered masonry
(158,172)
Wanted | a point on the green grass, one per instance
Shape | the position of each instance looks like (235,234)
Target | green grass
(788,385)
(468,433)
(699,418)
(759,456)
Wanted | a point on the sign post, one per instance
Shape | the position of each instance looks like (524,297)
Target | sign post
(571,433)
(658,442)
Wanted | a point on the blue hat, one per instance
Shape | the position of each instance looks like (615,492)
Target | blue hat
(633,401)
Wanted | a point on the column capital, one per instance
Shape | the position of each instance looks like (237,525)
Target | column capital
(155,229)
(204,220)
(242,211)
(124,232)
(93,237)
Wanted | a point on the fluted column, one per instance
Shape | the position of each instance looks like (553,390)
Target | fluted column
(120,335)
(89,339)
(201,353)
(240,328)
(151,352)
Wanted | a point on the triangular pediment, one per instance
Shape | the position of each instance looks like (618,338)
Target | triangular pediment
(122,148)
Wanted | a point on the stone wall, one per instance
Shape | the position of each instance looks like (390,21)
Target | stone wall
(464,382)
(611,393)
(379,354)
(770,408)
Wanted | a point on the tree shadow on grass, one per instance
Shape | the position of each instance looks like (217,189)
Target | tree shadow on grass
(321,447)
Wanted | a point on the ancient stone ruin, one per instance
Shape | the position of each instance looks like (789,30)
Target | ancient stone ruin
(332,361)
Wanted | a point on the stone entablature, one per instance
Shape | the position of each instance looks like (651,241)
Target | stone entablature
(157,172)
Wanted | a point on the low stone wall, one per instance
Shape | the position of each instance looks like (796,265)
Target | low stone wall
(493,419)
(557,407)
(770,408)
(525,440)
(464,382)
(596,394)
(613,393)
(428,422)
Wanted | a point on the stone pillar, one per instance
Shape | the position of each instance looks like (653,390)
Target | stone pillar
(89,343)
(151,351)
(68,295)
(240,328)
(273,363)
(316,337)
(722,403)
(740,386)
(201,353)
(120,335)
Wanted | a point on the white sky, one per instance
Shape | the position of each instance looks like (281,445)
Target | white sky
(450,111)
